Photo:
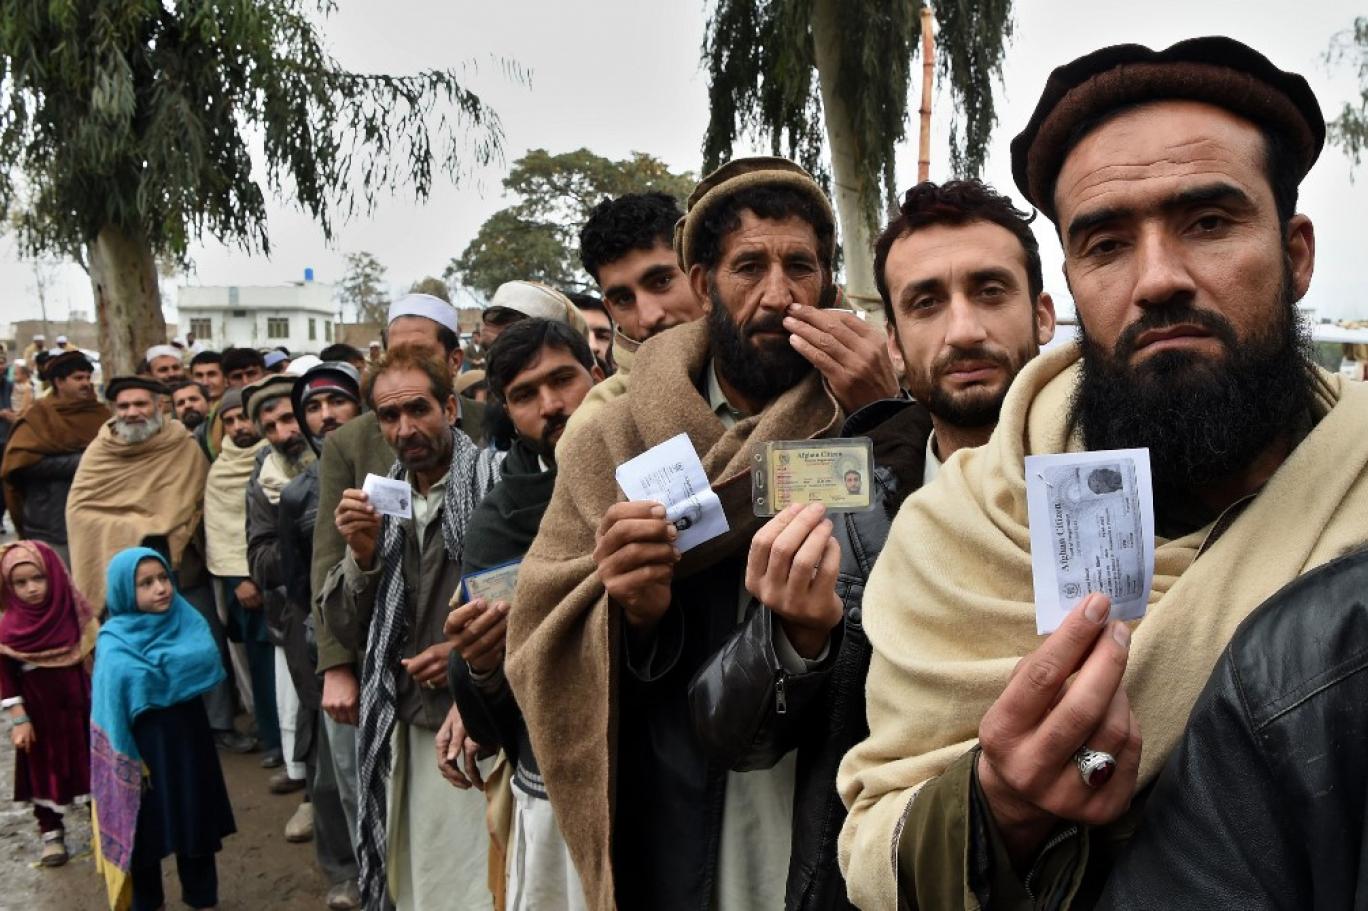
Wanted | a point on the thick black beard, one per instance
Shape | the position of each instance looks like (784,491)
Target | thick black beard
(191,419)
(759,372)
(1202,420)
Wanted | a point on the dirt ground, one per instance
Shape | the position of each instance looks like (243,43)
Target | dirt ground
(257,868)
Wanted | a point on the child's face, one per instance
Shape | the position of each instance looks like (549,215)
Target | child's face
(153,587)
(29,583)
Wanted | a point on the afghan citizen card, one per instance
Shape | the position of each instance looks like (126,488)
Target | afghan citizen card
(390,497)
(493,584)
(835,473)
(672,475)
(1092,530)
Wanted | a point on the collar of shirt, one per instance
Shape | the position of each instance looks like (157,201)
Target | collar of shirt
(426,506)
(933,464)
(717,399)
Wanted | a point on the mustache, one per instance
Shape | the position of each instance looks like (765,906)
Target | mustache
(329,425)
(770,322)
(1173,315)
(956,356)
(553,423)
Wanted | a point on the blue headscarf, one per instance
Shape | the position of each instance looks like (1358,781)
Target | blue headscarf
(142,661)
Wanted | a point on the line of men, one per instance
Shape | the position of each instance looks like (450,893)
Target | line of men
(688,730)
(817,711)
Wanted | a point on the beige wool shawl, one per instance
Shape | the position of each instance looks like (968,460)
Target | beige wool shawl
(562,636)
(949,607)
(125,493)
(225,508)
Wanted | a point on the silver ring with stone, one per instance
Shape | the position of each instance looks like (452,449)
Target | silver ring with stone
(1096,766)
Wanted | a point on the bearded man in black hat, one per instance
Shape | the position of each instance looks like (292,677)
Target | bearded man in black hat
(1001,768)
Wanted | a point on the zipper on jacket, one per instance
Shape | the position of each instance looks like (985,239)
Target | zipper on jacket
(780,697)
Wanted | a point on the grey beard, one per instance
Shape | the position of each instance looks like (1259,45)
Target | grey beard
(133,434)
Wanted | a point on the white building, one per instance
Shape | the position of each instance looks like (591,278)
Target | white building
(299,315)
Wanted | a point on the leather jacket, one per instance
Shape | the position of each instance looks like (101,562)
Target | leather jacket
(1264,803)
(46,484)
(749,710)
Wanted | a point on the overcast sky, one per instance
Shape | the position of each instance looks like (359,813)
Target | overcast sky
(619,76)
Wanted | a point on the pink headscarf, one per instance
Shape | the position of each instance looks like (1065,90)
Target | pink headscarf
(56,633)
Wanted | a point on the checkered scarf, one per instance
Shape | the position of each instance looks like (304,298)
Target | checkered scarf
(473,472)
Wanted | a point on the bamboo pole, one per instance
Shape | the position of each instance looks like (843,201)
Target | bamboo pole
(928,69)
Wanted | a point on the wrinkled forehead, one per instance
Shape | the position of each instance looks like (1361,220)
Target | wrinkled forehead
(1142,153)
(133,397)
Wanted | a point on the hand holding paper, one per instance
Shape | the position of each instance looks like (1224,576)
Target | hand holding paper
(671,474)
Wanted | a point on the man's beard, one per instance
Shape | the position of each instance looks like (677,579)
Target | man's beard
(544,445)
(759,371)
(976,406)
(1202,419)
(191,419)
(294,450)
(432,452)
(132,433)
(245,439)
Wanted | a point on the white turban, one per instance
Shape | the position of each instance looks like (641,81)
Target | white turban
(157,351)
(426,306)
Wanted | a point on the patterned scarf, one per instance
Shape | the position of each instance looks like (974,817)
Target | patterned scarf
(473,472)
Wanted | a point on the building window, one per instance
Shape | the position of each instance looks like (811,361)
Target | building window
(201,327)
(238,314)
(327,330)
(313,329)
(277,327)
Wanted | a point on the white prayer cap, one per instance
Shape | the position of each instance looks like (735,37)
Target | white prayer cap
(426,306)
(61,339)
(375,343)
(157,351)
(532,299)
(302,364)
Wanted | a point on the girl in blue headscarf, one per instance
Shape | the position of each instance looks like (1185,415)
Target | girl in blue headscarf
(156,783)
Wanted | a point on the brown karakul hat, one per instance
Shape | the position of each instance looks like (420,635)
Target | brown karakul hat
(734,176)
(1219,71)
(120,383)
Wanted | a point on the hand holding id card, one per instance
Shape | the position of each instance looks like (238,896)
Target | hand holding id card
(389,496)
(836,473)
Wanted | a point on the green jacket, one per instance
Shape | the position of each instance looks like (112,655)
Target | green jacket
(353,451)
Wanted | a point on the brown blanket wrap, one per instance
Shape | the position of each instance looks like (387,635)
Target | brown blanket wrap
(51,426)
(125,493)
(562,636)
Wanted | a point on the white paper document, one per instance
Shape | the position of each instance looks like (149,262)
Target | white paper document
(670,474)
(390,497)
(1092,530)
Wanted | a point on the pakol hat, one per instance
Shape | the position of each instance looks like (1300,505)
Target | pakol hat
(62,363)
(255,395)
(1219,71)
(734,176)
(120,383)
(538,301)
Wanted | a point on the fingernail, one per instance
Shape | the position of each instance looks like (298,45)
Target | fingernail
(658,512)
(677,554)
(1096,609)
(1121,633)
(671,532)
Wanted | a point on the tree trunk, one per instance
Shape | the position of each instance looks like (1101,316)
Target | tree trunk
(123,277)
(857,241)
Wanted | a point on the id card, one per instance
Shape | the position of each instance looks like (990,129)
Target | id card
(390,497)
(493,584)
(1092,530)
(836,473)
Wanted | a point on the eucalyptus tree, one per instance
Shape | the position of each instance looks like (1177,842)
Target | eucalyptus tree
(1349,129)
(815,75)
(131,125)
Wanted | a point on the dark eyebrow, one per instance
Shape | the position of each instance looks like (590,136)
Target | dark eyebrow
(1206,194)
(992,274)
(921,287)
(655,272)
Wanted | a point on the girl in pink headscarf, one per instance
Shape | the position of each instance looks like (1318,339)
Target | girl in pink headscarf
(47,631)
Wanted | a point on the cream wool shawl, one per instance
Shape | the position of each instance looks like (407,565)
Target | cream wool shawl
(562,655)
(949,607)
(225,508)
